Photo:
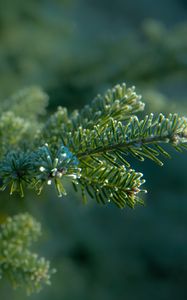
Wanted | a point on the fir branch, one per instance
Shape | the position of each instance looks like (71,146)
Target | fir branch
(90,148)
(78,146)
(13,131)
(23,268)
(119,103)
(28,103)
(108,183)
(135,137)
(36,168)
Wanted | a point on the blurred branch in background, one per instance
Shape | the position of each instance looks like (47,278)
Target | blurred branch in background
(41,44)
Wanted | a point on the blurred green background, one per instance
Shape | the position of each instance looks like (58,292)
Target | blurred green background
(75,49)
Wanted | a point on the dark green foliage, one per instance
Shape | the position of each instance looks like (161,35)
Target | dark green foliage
(91,147)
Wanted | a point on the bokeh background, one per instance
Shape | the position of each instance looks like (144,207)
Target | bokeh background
(75,49)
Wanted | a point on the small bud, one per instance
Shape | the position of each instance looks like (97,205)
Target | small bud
(42,169)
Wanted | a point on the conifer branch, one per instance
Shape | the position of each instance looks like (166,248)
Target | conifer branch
(78,146)
(134,137)
(17,263)
(90,148)
(120,103)
(111,183)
